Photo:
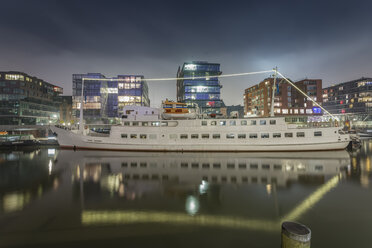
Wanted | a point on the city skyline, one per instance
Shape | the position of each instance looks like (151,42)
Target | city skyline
(55,39)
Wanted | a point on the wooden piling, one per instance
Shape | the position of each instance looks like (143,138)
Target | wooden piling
(295,235)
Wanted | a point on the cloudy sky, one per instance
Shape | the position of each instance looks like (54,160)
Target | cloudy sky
(52,39)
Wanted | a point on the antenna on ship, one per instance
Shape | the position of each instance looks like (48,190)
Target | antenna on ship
(81,125)
(273,92)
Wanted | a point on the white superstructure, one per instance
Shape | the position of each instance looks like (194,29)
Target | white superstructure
(150,133)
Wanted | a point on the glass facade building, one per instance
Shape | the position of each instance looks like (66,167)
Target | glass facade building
(204,93)
(28,100)
(104,100)
(353,97)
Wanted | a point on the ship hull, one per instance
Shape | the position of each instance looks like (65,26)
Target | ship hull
(71,140)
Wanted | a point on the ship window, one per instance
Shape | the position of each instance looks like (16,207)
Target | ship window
(230,136)
(184,165)
(242,166)
(194,136)
(277,166)
(143,136)
(265,135)
(244,179)
(216,165)
(253,136)
(253,166)
(133,136)
(164,123)
(301,134)
(183,136)
(288,135)
(204,123)
(241,136)
(277,135)
(205,166)
(319,167)
(205,136)
(265,166)
(155,123)
(124,164)
(194,165)
(253,122)
(272,122)
(232,123)
(143,164)
(230,165)
(135,123)
(213,123)
(318,133)
(243,123)
(222,123)
(216,136)
(152,136)
(133,164)
(124,135)
(144,124)
(126,123)
(173,136)
(262,122)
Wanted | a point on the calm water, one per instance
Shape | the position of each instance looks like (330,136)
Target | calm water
(62,198)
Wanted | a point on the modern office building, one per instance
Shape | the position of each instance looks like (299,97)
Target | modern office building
(351,98)
(288,100)
(202,93)
(28,100)
(103,99)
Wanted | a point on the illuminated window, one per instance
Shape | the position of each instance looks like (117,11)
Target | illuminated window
(155,123)
(14,77)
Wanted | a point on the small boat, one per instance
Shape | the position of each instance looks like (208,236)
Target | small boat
(176,110)
(8,141)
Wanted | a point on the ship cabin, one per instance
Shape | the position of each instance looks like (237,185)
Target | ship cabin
(171,107)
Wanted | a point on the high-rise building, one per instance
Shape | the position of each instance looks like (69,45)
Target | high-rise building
(352,97)
(288,100)
(204,93)
(105,99)
(28,100)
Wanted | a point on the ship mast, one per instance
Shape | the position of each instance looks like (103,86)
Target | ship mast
(273,93)
(81,125)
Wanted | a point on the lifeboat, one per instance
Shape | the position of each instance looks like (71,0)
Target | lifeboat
(176,110)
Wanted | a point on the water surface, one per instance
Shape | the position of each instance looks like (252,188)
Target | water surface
(62,198)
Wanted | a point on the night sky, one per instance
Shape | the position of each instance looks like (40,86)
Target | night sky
(330,40)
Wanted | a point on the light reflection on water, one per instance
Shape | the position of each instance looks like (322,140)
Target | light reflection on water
(250,191)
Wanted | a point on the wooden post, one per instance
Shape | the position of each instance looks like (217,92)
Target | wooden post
(295,235)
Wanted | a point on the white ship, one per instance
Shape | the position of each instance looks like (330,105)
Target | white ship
(143,129)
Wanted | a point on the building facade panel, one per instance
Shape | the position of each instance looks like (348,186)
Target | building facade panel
(28,100)
(104,100)
(204,93)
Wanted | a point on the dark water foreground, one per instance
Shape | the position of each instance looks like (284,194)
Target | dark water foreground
(62,198)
